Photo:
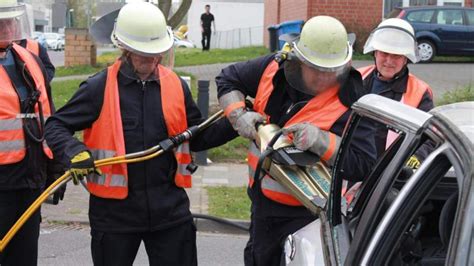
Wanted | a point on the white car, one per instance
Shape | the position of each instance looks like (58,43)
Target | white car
(54,40)
(183,43)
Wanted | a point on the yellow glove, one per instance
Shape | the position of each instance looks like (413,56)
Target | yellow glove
(82,164)
(413,162)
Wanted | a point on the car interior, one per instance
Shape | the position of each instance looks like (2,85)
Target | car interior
(426,239)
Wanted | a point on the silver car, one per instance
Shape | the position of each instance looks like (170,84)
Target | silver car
(399,216)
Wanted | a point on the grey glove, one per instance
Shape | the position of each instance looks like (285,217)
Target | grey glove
(307,136)
(243,121)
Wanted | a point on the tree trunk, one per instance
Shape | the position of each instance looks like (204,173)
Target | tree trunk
(177,17)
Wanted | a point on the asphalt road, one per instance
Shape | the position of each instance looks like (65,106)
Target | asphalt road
(61,245)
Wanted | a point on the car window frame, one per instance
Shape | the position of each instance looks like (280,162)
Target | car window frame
(379,109)
(391,228)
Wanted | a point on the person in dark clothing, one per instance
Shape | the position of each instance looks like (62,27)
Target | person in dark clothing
(132,106)
(309,96)
(37,49)
(206,19)
(25,159)
(390,77)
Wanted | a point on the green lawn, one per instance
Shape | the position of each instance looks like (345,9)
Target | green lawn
(63,91)
(233,151)
(183,57)
(460,94)
(229,202)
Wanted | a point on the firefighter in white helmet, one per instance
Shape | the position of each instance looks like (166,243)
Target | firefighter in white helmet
(393,44)
(132,106)
(25,104)
(308,92)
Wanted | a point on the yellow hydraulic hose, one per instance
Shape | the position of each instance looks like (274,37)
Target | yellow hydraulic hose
(66,177)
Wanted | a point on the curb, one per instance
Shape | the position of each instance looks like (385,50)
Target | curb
(202,225)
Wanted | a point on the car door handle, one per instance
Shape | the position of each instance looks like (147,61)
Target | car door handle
(439,29)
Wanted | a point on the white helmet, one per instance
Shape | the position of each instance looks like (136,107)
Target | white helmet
(323,43)
(141,28)
(393,36)
(14,24)
(322,46)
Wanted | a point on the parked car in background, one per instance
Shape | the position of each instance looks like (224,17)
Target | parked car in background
(39,37)
(183,43)
(399,216)
(54,40)
(440,30)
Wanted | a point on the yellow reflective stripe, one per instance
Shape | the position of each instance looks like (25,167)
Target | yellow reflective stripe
(269,183)
(102,154)
(11,124)
(12,145)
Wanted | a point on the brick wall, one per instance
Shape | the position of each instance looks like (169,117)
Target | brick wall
(468,3)
(79,48)
(359,16)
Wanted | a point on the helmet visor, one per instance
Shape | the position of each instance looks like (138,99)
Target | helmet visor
(393,40)
(150,67)
(310,79)
(14,24)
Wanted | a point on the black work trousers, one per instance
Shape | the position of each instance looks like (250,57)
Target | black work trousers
(23,248)
(206,40)
(265,245)
(172,246)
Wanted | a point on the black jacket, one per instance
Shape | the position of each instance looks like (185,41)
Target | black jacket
(32,171)
(394,90)
(245,77)
(154,201)
(44,57)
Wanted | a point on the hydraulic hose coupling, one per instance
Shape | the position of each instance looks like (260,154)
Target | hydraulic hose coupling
(173,142)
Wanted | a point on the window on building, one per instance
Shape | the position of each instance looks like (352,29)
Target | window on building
(390,5)
(423,2)
(420,16)
(449,17)
(470,17)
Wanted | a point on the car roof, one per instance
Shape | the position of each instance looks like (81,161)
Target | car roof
(460,114)
(432,7)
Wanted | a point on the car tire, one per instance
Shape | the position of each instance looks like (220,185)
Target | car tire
(426,50)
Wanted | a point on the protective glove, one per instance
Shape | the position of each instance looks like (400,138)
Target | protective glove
(243,121)
(307,136)
(82,164)
(413,162)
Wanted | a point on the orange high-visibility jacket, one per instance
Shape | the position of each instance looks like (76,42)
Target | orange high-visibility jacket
(33,46)
(322,111)
(12,138)
(415,90)
(412,96)
(105,138)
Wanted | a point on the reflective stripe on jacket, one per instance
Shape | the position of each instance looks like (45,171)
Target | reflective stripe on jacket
(322,111)
(12,138)
(105,138)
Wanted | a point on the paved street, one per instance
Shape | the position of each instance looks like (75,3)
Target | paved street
(70,245)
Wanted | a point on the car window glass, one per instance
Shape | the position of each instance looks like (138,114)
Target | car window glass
(420,16)
(427,237)
(470,17)
(449,17)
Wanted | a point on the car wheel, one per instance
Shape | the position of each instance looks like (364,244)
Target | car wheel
(426,50)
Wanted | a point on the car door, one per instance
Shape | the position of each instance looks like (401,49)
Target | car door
(449,26)
(469,48)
